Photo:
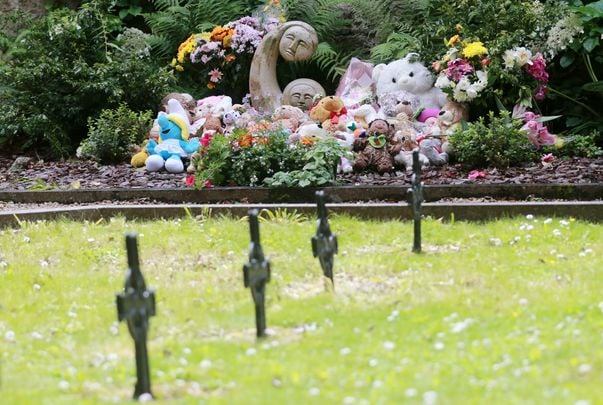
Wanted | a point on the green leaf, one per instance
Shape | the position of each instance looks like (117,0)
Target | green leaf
(566,60)
(595,86)
(548,118)
(590,43)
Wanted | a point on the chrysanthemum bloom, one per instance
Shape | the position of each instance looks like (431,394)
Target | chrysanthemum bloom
(474,49)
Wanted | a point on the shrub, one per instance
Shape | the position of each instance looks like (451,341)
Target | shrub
(112,135)
(69,67)
(266,157)
(500,143)
(581,145)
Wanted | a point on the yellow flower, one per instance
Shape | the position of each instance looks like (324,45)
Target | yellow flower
(174,62)
(227,39)
(454,40)
(474,49)
(459,28)
(206,35)
(179,68)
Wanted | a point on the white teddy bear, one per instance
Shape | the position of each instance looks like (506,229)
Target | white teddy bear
(409,75)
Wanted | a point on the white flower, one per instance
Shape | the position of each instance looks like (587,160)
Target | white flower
(523,56)
(442,82)
(509,59)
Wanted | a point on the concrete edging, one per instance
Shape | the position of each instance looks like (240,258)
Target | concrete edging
(338,194)
(592,211)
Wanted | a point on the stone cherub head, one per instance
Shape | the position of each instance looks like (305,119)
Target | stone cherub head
(301,93)
(298,42)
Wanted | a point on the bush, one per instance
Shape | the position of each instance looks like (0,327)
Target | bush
(499,143)
(581,145)
(112,135)
(69,67)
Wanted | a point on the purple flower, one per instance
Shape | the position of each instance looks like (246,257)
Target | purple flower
(458,68)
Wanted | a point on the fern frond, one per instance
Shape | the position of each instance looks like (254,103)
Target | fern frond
(164,5)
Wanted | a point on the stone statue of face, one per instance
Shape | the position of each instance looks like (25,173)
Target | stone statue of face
(300,93)
(296,44)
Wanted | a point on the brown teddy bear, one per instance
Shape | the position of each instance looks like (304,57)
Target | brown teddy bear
(377,149)
(288,117)
(328,112)
(451,117)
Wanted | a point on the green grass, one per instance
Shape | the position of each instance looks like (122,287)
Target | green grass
(487,314)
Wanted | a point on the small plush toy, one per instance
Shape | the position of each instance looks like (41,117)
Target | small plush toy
(229,119)
(187,102)
(212,125)
(410,75)
(400,101)
(363,115)
(404,158)
(288,117)
(328,111)
(377,149)
(173,145)
(308,134)
(451,117)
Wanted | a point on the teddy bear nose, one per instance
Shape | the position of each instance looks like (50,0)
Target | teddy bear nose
(442,112)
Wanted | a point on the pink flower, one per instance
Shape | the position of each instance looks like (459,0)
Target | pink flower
(458,68)
(540,92)
(190,181)
(537,69)
(476,174)
(215,75)
(205,139)
(208,184)
(548,158)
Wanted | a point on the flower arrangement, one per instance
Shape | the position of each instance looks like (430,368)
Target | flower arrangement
(521,61)
(463,70)
(223,56)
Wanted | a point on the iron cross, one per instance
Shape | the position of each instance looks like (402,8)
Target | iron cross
(256,273)
(415,199)
(324,243)
(135,305)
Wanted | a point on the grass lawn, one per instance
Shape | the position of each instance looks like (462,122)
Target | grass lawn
(496,313)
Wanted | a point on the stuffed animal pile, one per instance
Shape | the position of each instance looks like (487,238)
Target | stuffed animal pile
(392,109)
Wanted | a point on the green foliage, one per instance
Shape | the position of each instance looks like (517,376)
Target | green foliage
(69,67)
(584,145)
(13,27)
(112,135)
(322,159)
(575,73)
(498,142)
(267,159)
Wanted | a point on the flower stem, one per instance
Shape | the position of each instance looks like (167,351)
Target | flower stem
(589,67)
(596,114)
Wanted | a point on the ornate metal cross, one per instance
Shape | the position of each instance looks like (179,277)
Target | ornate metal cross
(256,273)
(324,243)
(415,199)
(135,305)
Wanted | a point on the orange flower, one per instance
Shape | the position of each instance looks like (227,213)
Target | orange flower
(245,141)
(219,33)
(229,58)
(227,39)
(211,85)
(307,141)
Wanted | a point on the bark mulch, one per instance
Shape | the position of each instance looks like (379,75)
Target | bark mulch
(78,174)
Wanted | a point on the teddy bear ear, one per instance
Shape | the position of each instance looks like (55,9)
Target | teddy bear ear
(377,70)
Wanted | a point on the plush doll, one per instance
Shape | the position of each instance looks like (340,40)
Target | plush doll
(377,149)
(400,101)
(451,117)
(187,102)
(213,125)
(308,134)
(409,75)
(404,158)
(431,143)
(328,111)
(363,115)
(173,146)
(288,117)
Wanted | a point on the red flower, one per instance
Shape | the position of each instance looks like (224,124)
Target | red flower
(208,184)
(190,181)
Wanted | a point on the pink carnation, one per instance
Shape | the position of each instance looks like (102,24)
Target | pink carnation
(476,174)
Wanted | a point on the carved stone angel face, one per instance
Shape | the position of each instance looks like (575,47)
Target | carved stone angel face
(296,44)
(301,92)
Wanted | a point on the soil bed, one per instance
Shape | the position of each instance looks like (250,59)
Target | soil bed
(77,174)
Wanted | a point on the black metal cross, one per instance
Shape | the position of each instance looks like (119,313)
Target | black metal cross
(256,273)
(324,243)
(135,305)
(415,199)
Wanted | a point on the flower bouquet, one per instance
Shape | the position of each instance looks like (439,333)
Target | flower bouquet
(463,70)
(221,58)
